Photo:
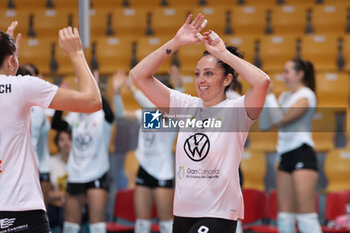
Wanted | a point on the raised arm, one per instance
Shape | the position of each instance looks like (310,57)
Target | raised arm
(119,79)
(88,98)
(259,81)
(142,73)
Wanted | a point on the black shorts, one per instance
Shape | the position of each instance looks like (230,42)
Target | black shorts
(145,179)
(44,177)
(82,188)
(33,221)
(303,157)
(203,225)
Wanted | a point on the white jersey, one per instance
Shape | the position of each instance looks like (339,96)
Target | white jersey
(58,173)
(298,132)
(40,138)
(88,158)
(19,177)
(207,179)
(154,152)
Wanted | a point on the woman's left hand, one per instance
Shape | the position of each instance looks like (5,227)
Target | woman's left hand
(11,32)
(213,43)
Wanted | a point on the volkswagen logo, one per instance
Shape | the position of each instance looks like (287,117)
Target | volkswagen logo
(197,147)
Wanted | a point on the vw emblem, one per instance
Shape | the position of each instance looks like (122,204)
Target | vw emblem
(197,147)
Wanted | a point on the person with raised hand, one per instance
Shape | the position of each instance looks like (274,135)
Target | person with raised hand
(21,202)
(208,196)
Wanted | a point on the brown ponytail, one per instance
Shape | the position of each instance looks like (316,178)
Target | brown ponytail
(309,72)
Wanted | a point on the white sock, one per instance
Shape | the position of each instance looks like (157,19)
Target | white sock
(69,227)
(166,226)
(309,223)
(239,228)
(143,226)
(286,222)
(99,227)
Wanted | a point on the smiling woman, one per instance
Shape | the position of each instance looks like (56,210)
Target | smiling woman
(203,202)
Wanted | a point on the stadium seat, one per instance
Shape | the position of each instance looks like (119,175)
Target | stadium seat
(323,128)
(329,19)
(96,4)
(271,215)
(248,20)
(309,3)
(47,22)
(216,17)
(9,15)
(254,206)
(124,210)
(321,50)
(166,21)
(263,141)
(337,170)
(180,3)
(346,52)
(253,167)
(289,19)
(36,51)
(276,51)
(146,45)
(98,21)
(259,3)
(113,53)
(332,89)
(335,206)
(24,4)
(130,21)
(245,43)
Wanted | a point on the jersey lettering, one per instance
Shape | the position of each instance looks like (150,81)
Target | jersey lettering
(5,88)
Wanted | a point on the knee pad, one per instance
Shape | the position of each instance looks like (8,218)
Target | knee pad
(286,222)
(309,223)
(143,226)
(166,226)
(98,227)
(69,227)
(239,228)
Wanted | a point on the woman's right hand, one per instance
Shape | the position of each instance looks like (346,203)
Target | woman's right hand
(69,41)
(119,79)
(187,34)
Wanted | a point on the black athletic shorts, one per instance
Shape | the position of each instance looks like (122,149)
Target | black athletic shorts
(145,179)
(82,188)
(33,221)
(44,177)
(203,225)
(303,157)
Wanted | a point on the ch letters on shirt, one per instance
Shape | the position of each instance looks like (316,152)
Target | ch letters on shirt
(5,88)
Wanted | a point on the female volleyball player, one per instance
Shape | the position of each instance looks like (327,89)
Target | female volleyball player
(88,165)
(155,178)
(22,207)
(208,197)
(297,173)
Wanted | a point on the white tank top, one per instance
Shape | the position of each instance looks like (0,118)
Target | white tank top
(298,132)
(88,159)
(207,179)
(19,176)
